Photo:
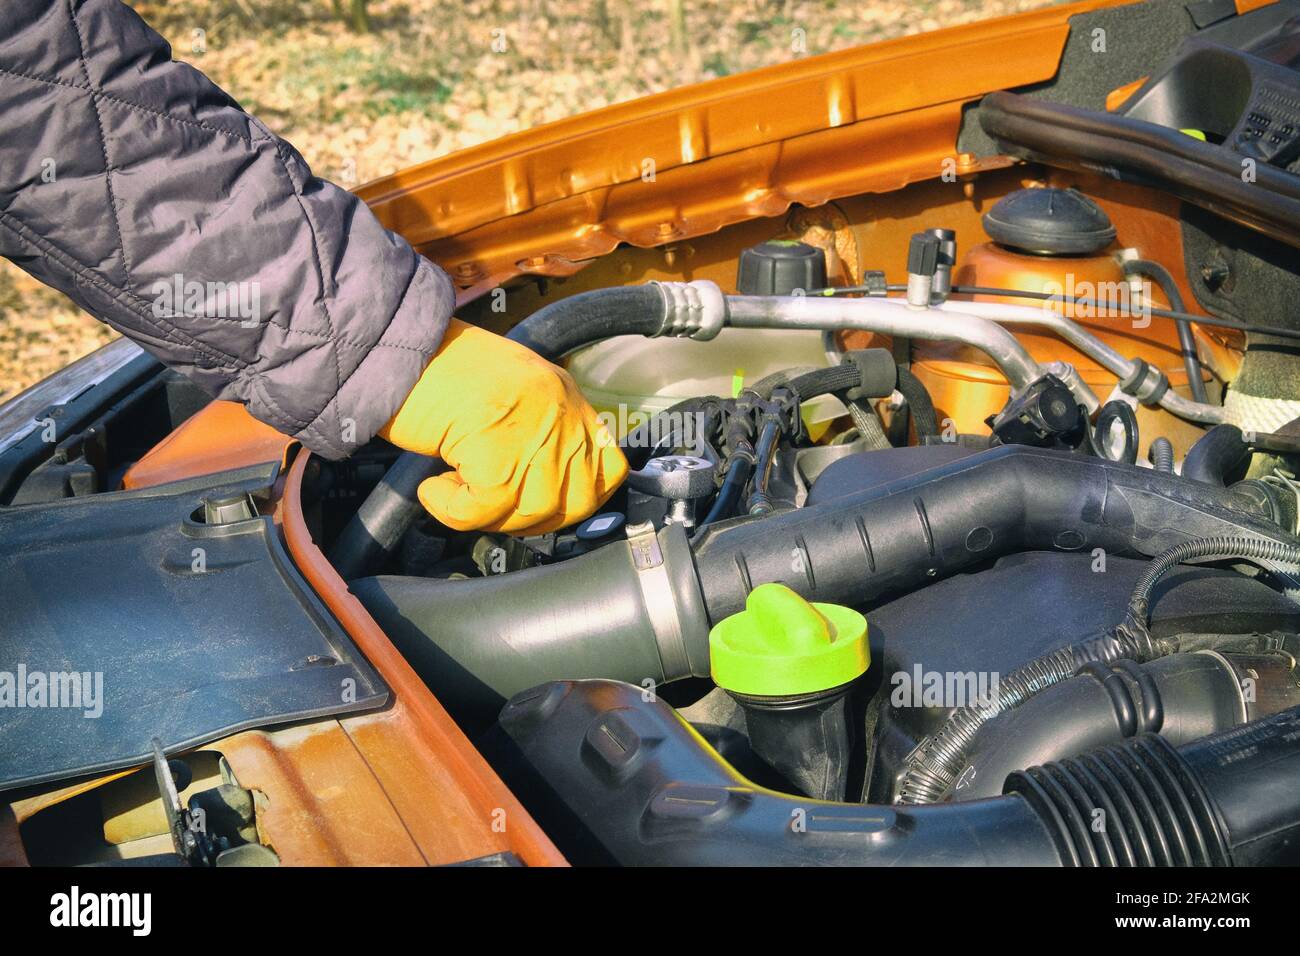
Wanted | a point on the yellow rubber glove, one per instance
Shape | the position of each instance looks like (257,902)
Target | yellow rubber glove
(529,454)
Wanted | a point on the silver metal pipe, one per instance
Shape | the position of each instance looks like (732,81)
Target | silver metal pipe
(1176,404)
(978,324)
(1087,343)
(890,317)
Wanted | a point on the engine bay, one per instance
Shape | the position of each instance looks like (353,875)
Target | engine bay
(962,522)
(829,581)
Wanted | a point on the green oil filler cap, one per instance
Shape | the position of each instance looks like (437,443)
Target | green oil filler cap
(782,645)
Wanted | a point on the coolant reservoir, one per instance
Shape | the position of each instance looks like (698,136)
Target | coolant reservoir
(964,382)
(630,378)
(1055,241)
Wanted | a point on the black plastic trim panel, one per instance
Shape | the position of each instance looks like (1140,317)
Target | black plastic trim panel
(198,630)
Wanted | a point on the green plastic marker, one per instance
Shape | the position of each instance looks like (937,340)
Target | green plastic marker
(783,646)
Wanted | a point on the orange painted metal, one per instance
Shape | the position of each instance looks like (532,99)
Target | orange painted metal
(872,232)
(965,385)
(219,437)
(690,161)
(450,804)
(967,388)
(401,786)
(16,812)
(1148,220)
(1119,96)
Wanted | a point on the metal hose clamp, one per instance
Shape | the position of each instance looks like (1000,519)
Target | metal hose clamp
(696,310)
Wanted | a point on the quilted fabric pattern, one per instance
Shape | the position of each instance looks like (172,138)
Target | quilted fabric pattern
(136,186)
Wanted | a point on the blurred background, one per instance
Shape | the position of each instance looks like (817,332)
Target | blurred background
(366,87)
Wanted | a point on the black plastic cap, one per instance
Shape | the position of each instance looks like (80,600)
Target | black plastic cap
(878,369)
(1049,221)
(779,267)
(600,526)
(923,254)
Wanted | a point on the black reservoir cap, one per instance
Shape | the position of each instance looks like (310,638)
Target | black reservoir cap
(779,267)
(1049,221)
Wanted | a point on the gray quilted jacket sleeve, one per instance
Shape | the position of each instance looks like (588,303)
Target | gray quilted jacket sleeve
(136,186)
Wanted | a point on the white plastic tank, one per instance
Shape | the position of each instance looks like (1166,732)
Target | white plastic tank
(630,378)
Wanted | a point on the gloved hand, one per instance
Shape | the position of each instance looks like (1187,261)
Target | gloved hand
(529,454)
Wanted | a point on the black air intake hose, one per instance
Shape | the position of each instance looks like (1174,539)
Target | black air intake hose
(896,537)
(630,610)
(1218,457)
(641,610)
(630,782)
(1225,800)
(936,766)
(1183,697)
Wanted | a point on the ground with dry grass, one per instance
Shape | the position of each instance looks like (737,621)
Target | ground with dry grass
(434,76)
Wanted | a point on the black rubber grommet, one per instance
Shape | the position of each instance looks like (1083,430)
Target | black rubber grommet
(1111,414)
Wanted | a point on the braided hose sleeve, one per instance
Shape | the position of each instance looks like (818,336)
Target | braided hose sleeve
(1225,546)
(868,425)
(934,769)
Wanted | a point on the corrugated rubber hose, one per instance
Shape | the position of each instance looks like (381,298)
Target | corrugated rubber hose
(940,760)
(1162,455)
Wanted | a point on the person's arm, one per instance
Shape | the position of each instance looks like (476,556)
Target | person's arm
(143,191)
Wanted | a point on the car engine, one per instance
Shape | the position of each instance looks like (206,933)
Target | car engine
(962,523)
(826,604)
